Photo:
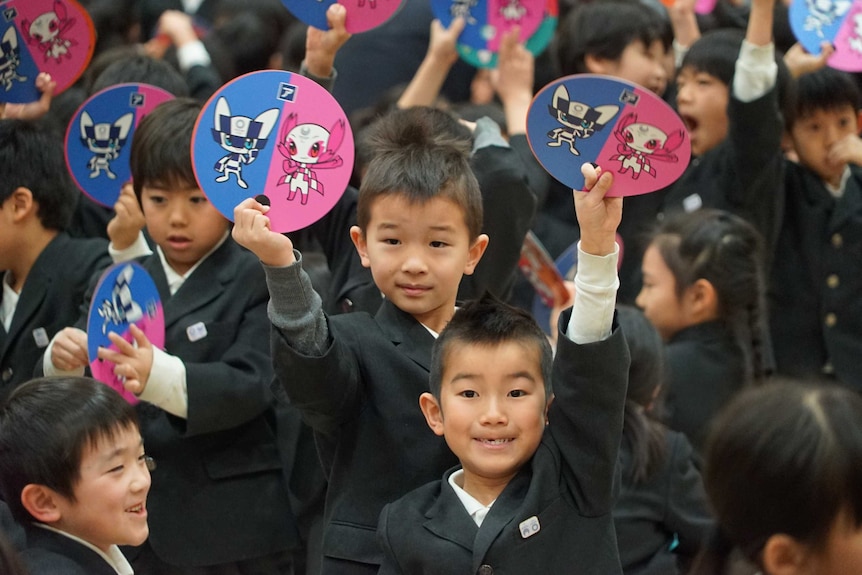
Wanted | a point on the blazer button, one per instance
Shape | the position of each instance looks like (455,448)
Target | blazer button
(831,320)
(837,240)
(7,374)
(485,570)
(833,281)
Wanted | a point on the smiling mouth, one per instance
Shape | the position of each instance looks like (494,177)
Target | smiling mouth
(501,441)
(137,509)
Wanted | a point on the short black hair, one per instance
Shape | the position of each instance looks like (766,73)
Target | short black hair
(45,426)
(715,53)
(487,321)
(421,153)
(140,68)
(604,30)
(825,89)
(161,149)
(31,157)
(786,458)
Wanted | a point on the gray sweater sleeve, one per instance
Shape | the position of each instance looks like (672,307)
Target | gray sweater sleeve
(295,309)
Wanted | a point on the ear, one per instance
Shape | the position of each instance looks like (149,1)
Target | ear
(596,65)
(476,250)
(701,301)
(548,406)
(432,412)
(784,555)
(42,503)
(21,204)
(361,246)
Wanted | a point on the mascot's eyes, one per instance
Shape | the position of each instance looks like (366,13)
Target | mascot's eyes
(314,150)
(291,147)
(651,145)
(52,26)
(629,138)
(249,143)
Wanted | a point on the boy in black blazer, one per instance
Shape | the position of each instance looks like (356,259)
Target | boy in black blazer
(45,272)
(219,499)
(356,377)
(73,469)
(535,487)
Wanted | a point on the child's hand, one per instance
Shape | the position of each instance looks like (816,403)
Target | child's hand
(174,27)
(800,62)
(128,220)
(598,216)
(132,363)
(252,230)
(32,110)
(322,45)
(847,150)
(441,46)
(513,80)
(69,349)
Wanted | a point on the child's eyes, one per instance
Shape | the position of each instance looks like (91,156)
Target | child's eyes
(391,241)
(157,199)
(517,393)
(439,244)
(468,393)
(199,199)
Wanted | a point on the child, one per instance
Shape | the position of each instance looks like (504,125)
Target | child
(703,290)
(628,40)
(356,377)
(662,516)
(534,489)
(74,471)
(45,272)
(206,410)
(815,308)
(783,469)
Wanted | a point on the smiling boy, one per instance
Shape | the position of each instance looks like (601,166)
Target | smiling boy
(75,475)
(356,377)
(535,486)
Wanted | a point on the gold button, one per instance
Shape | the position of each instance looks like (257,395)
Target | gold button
(837,240)
(832,281)
(831,319)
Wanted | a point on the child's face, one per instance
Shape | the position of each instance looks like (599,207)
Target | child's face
(639,63)
(418,254)
(658,298)
(183,223)
(110,506)
(820,138)
(702,104)
(492,410)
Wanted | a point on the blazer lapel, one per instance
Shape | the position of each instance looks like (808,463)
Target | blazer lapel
(447,518)
(410,336)
(203,286)
(501,514)
(37,283)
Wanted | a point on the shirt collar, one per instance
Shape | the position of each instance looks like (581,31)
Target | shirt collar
(474,508)
(114,557)
(176,280)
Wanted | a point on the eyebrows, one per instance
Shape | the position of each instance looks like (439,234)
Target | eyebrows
(469,377)
(120,451)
